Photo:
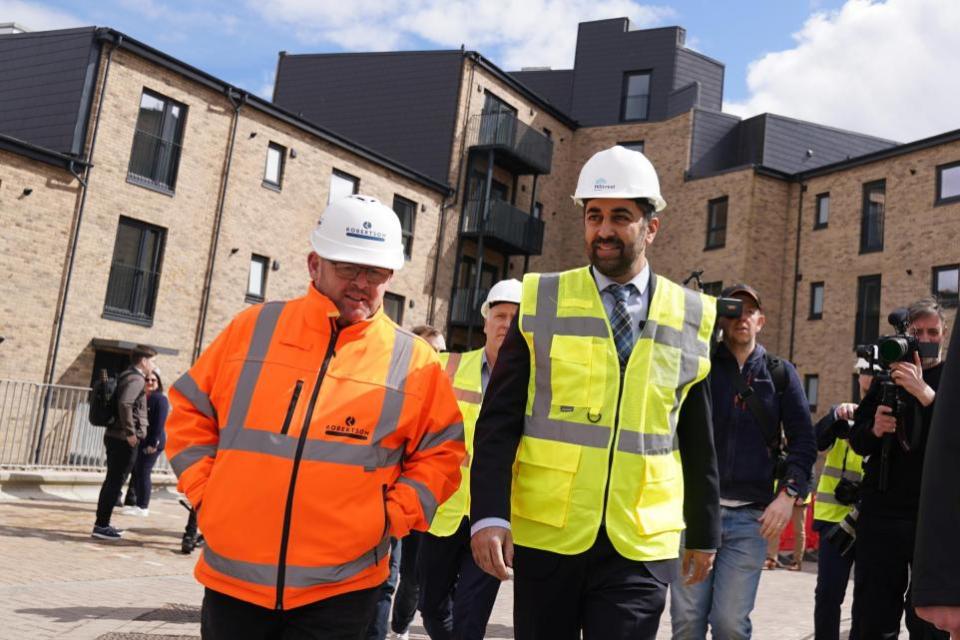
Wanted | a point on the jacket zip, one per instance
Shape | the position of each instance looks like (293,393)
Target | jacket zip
(288,511)
(613,446)
(386,525)
(291,408)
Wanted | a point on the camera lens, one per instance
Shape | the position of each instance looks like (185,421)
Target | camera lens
(892,349)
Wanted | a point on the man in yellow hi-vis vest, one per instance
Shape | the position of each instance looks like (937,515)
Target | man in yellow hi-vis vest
(456,596)
(597,394)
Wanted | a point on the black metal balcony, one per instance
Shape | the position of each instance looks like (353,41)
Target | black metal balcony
(462,313)
(508,229)
(519,148)
(131,294)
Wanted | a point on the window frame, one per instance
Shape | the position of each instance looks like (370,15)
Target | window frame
(713,228)
(401,305)
(860,318)
(265,262)
(155,267)
(951,301)
(938,198)
(814,313)
(408,235)
(864,220)
(807,379)
(174,169)
(817,222)
(343,175)
(267,182)
(631,144)
(624,95)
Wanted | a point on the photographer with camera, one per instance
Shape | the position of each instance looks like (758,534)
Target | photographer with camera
(890,429)
(835,511)
(753,394)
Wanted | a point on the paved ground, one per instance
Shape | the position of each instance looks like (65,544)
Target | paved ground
(57,582)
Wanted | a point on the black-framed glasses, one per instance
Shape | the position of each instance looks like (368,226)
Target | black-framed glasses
(350,271)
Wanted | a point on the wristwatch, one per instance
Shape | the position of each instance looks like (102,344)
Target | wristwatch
(791,490)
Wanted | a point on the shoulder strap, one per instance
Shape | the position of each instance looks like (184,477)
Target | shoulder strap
(769,428)
(778,372)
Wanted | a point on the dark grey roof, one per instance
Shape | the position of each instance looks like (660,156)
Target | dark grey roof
(403,104)
(693,67)
(46,82)
(556,86)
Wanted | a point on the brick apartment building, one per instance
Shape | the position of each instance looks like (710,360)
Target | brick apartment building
(143,200)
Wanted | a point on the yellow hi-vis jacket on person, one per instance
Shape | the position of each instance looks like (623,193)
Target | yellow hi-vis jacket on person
(463,369)
(565,472)
(842,461)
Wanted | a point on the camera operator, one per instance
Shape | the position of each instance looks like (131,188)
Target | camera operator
(894,448)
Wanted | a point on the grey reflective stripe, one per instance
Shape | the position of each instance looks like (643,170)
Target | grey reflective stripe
(453,363)
(826,497)
(190,390)
(256,352)
(265,574)
(849,474)
(426,497)
(397,370)
(283,446)
(453,432)
(466,395)
(586,435)
(647,444)
(186,458)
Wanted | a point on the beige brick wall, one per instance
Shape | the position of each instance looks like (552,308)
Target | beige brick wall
(34,239)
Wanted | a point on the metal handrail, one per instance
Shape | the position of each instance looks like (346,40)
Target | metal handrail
(503,130)
(506,222)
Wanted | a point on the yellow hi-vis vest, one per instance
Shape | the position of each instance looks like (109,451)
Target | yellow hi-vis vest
(564,463)
(827,508)
(463,369)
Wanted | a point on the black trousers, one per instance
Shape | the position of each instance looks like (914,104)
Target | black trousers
(884,556)
(833,575)
(342,617)
(120,459)
(598,591)
(141,484)
(456,596)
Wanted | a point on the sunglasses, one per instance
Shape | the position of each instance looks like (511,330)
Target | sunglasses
(348,271)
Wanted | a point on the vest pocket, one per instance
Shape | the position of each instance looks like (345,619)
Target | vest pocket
(544,480)
(660,500)
(578,376)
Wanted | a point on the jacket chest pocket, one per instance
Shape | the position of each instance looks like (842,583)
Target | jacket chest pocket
(578,375)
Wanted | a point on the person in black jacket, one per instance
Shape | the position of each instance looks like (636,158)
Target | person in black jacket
(886,528)
(151,447)
(936,577)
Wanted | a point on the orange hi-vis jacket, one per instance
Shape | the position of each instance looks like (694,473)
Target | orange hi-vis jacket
(306,446)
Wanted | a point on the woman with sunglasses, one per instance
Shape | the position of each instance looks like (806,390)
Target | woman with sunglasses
(151,447)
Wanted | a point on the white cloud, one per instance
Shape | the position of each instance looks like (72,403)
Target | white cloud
(882,68)
(533,33)
(35,16)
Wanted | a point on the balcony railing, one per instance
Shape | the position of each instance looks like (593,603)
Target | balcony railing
(131,294)
(523,149)
(154,161)
(507,229)
(462,312)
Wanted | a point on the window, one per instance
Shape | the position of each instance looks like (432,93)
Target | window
(946,285)
(867,327)
(538,210)
(811,386)
(257,278)
(157,142)
(948,183)
(393,307)
(816,300)
(636,96)
(406,211)
(823,211)
(498,122)
(273,172)
(134,272)
(716,223)
(342,185)
(871,225)
(712,288)
(468,274)
(636,145)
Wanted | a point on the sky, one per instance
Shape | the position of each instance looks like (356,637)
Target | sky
(880,67)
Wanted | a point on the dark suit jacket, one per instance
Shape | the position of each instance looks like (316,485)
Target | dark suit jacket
(936,562)
(500,427)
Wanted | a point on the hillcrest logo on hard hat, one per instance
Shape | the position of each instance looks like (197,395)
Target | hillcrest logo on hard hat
(601,185)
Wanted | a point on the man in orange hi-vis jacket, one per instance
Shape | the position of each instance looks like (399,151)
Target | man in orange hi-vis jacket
(307,434)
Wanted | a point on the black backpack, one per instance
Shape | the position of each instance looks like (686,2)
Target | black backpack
(103,400)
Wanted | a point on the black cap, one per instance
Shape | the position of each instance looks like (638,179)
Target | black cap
(735,289)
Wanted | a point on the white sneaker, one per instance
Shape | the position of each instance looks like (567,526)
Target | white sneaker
(136,511)
(400,636)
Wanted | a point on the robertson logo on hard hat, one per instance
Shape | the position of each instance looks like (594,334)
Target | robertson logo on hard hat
(601,185)
(366,233)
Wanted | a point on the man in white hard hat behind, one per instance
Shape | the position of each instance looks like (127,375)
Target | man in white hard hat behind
(309,433)
(598,392)
(456,596)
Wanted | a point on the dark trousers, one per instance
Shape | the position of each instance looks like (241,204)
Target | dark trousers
(884,556)
(381,608)
(342,617)
(120,459)
(833,575)
(598,591)
(408,589)
(140,482)
(456,596)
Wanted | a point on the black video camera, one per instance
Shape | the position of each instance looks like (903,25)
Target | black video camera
(899,347)
(843,534)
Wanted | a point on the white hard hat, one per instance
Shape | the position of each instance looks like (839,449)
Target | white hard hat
(361,230)
(619,172)
(503,291)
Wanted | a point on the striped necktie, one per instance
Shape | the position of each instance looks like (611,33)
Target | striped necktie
(620,321)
